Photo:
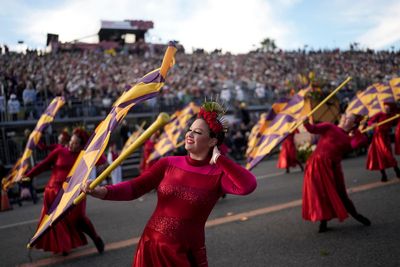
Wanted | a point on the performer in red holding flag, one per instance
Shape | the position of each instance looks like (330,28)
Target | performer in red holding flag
(324,190)
(188,187)
(287,156)
(380,156)
(68,232)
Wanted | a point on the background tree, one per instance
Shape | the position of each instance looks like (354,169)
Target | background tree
(268,45)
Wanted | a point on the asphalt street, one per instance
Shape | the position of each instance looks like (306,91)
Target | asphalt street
(261,229)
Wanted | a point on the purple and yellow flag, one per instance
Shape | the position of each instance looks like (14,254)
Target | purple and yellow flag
(365,103)
(170,139)
(371,101)
(147,87)
(263,123)
(19,169)
(395,86)
(280,127)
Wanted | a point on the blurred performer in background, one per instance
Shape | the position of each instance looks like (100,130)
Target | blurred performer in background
(288,156)
(380,155)
(68,232)
(324,190)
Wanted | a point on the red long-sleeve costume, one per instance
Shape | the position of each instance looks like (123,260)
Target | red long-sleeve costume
(68,232)
(380,154)
(324,190)
(187,191)
(287,157)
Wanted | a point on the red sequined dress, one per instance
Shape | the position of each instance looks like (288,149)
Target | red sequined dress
(187,191)
(324,188)
(380,154)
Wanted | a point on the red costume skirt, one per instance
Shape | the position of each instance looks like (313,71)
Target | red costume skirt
(287,156)
(380,154)
(157,249)
(323,180)
(63,236)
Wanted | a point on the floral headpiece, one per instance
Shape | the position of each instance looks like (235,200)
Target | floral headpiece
(212,113)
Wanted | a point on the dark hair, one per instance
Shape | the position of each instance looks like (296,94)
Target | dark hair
(65,135)
(82,135)
(220,137)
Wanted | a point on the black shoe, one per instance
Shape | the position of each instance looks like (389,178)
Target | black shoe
(384,179)
(65,253)
(323,227)
(365,221)
(99,245)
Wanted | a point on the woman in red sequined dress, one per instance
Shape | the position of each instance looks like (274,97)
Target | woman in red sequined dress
(67,233)
(324,190)
(287,156)
(187,187)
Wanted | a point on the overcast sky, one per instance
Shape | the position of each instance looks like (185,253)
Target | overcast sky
(230,25)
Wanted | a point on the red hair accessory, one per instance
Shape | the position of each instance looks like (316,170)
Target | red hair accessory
(211,119)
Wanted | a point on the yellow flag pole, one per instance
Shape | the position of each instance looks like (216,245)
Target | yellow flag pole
(161,120)
(321,103)
(380,123)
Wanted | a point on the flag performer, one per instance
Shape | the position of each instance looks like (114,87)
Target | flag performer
(68,232)
(188,187)
(324,190)
(20,167)
(380,156)
(147,87)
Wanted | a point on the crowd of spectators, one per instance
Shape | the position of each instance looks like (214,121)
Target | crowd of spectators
(91,80)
